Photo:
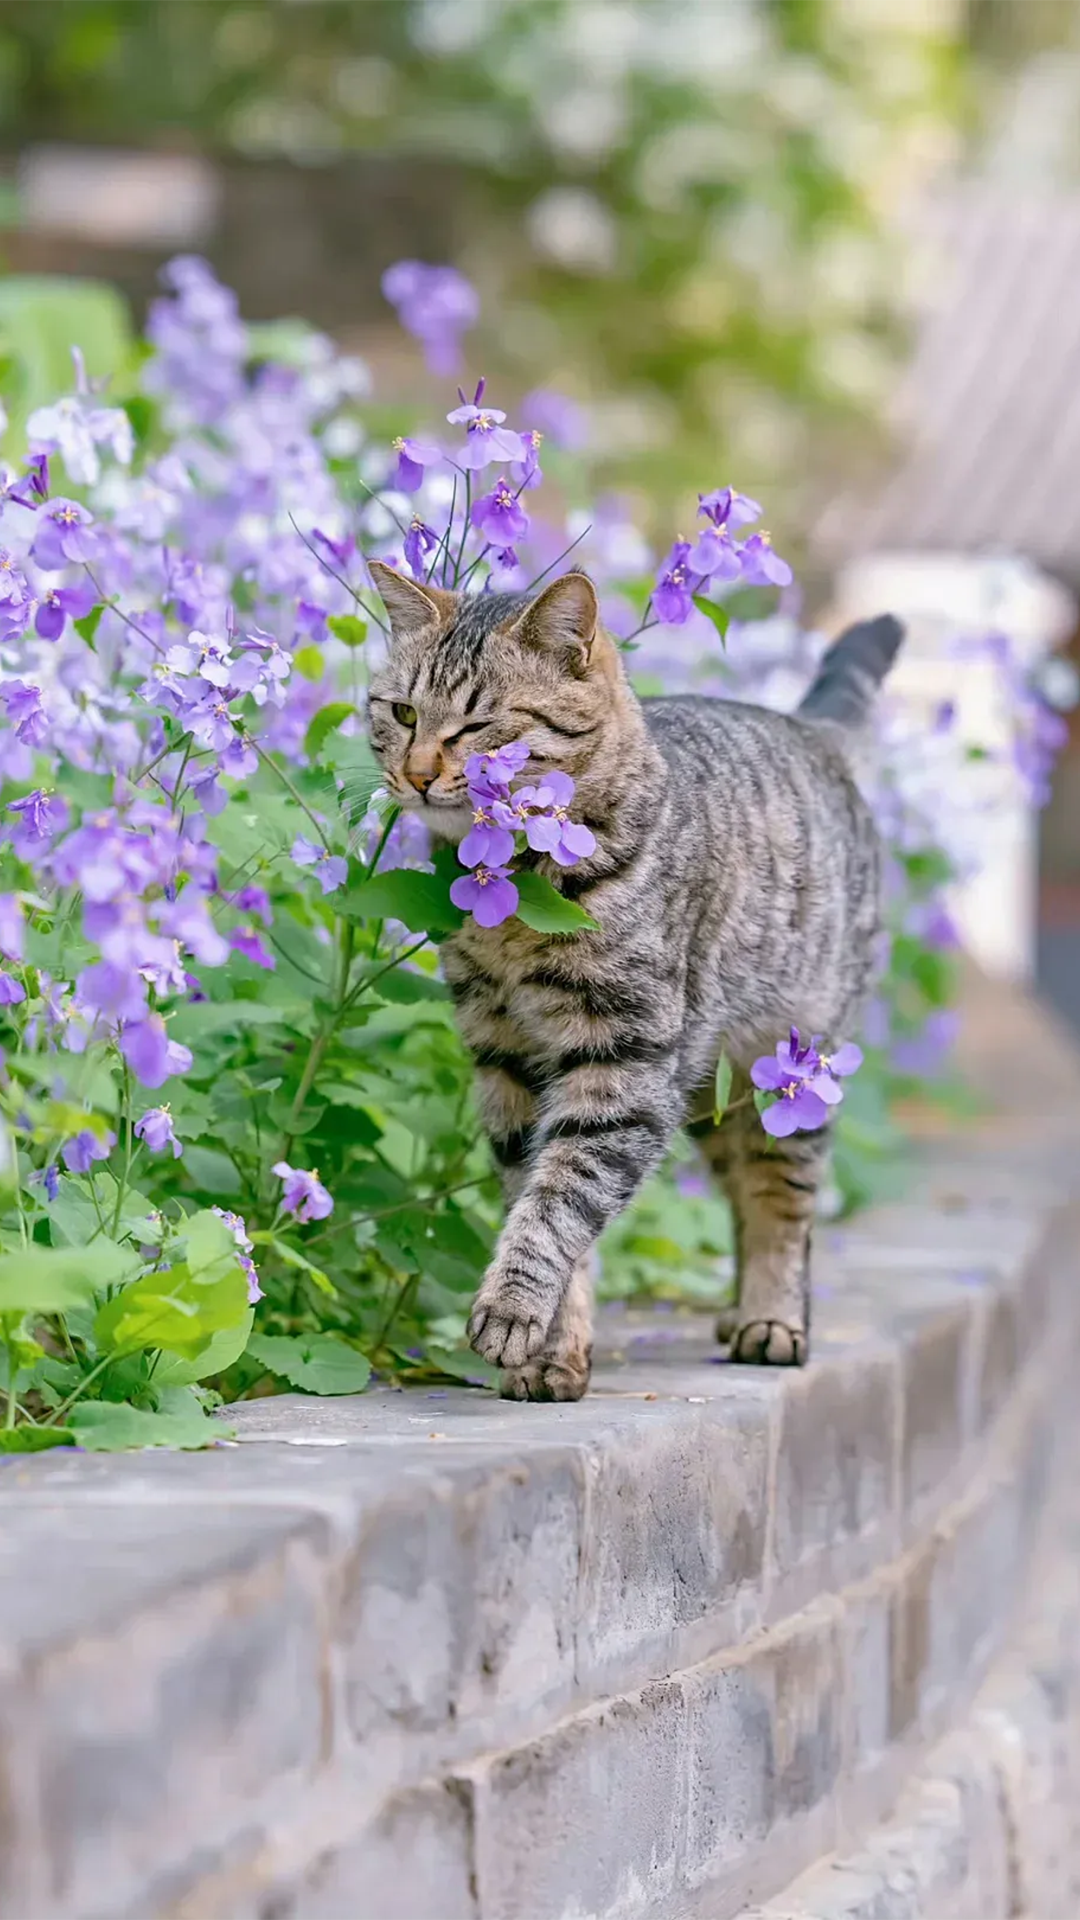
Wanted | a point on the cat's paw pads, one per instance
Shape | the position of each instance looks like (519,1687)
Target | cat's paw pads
(506,1326)
(769,1343)
(546,1380)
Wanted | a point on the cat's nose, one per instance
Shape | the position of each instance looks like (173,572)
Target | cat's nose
(420,777)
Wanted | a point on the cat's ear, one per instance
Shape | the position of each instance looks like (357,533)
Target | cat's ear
(411,608)
(562,620)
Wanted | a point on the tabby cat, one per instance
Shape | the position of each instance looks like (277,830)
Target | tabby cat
(736,885)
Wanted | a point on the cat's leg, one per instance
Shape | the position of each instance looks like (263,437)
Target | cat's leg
(717,1142)
(773,1186)
(561,1370)
(602,1126)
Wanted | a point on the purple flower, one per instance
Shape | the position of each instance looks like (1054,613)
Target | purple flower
(487,439)
(846,1060)
(252,899)
(548,826)
(715,556)
(528,473)
(117,991)
(12,930)
(304,1193)
(12,993)
(488,775)
(238,1228)
(673,594)
(39,818)
(499,516)
(806,1082)
(60,604)
(761,567)
(489,842)
(412,457)
(799,1108)
(246,941)
(726,508)
(488,893)
(16,598)
(155,1129)
(24,710)
(419,541)
(49,1178)
(558,416)
(436,305)
(63,537)
(151,1055)
(331,869)
(79,1153)
(187,919)
(33,488)
(340,551)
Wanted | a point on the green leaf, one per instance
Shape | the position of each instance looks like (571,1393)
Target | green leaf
(720,616)
(421,900)
(348,628)
(180,1309)
(220,1351)
(35,1439)
(292,1257)
(51,1279)
(211,1249)
(546,910)
(309,662)
(317,1362)
(325,722)
(206,1017)
(104,1426)
(166,1310)
(458,1365)
(401,984)
(87,627)
(722,1092)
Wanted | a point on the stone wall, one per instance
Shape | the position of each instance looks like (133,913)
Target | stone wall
(427,1656)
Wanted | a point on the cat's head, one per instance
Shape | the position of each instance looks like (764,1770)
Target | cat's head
(466,673)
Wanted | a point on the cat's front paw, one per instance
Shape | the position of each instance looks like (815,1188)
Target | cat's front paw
(510,1320)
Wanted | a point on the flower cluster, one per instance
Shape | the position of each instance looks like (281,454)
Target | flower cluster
(716,558)
(507,819)
(804,1083)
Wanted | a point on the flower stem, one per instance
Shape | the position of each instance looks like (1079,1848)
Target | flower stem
(268,761)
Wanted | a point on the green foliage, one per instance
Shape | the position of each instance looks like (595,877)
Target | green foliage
(317,1362)
(40,317)
(680,210)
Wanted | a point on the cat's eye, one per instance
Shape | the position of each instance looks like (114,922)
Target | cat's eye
(404,713)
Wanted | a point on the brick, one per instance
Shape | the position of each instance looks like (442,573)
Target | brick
(413,1863)
(458,1602)
(591,1819)
(674,1543)
(835,1499)
(935,1385)
(170,1679)
(765,1747)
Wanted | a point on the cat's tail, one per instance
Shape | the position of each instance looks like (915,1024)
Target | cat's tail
(852,671)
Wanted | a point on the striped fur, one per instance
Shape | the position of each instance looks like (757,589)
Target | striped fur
(736,885)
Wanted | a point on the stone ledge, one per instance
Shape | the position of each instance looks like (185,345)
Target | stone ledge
(990,1827)
(422,1655)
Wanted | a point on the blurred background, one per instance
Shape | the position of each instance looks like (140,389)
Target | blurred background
(826,249)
